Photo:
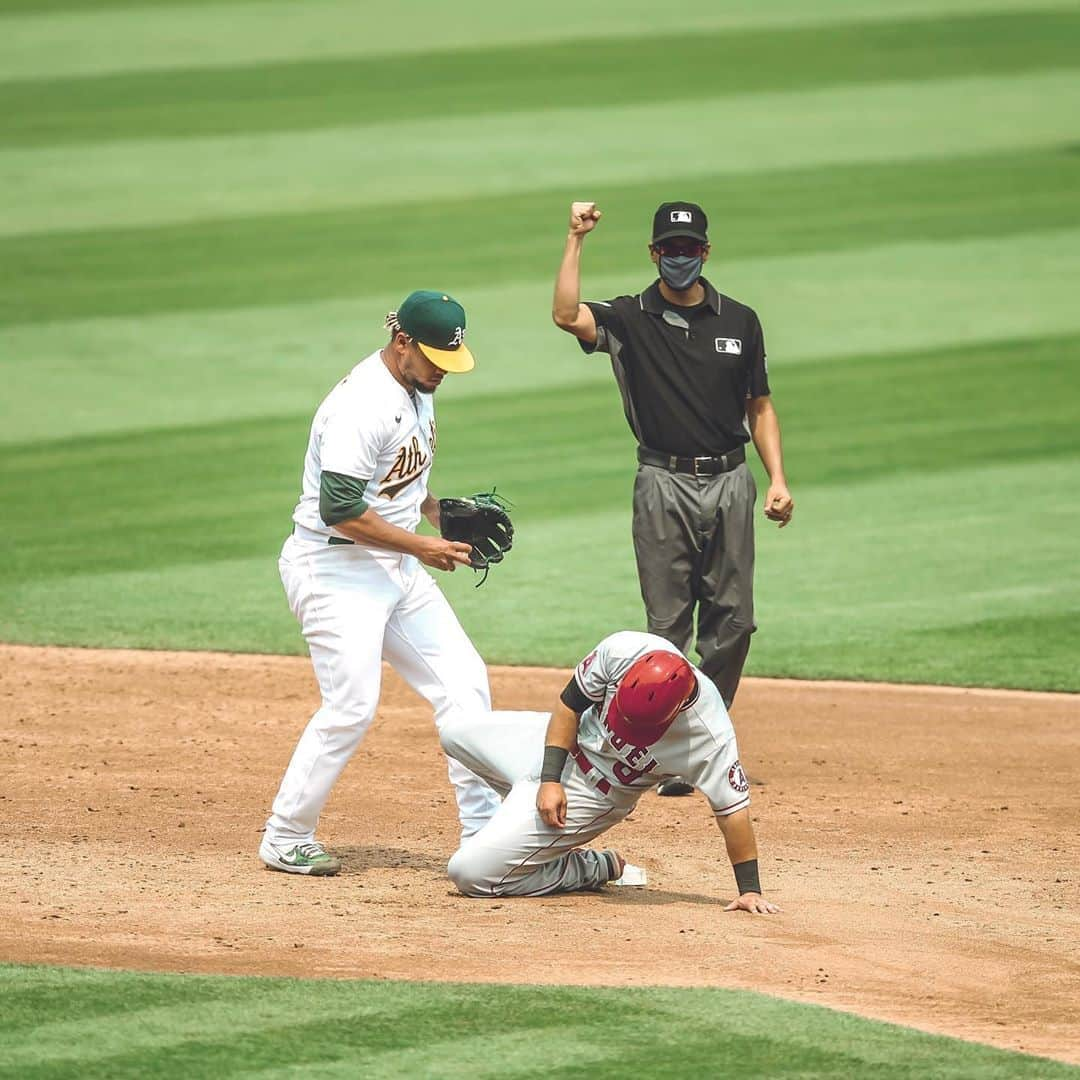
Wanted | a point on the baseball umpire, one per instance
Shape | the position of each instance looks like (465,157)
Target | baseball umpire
(690,364)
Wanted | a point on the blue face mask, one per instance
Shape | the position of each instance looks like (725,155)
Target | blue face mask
(680,272)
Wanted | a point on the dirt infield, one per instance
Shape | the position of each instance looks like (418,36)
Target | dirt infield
(922,842)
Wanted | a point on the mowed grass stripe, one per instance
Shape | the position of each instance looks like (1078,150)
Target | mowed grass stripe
(43,39)
(109,375)
(356,1049)
(230,486)
(887,577)
(1033,647)
(921,484)
(620,71)
(847,591)
(154,182)
(408,1029)
(197,1030)
(852,592)
(261,261)
(99,7)
(187,1020)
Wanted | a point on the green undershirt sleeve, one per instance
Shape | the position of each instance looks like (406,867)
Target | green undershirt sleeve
(340,497)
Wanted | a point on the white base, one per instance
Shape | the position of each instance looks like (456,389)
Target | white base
(632,875)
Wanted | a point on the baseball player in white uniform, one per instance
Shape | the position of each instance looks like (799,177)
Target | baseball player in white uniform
(353,576)
(635,711)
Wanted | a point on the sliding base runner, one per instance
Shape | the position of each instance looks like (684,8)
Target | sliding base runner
(634,712)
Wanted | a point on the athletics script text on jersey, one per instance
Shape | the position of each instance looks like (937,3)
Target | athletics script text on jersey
(370,427)
(409,463)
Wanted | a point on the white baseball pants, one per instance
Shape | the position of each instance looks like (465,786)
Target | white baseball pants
(516,854)
(357,607)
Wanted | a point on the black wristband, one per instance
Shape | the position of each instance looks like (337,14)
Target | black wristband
(554,760)
(746,876)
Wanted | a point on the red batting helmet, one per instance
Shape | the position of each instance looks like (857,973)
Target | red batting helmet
(649,697)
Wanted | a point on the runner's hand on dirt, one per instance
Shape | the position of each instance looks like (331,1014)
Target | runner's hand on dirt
(753,902)
(551,802)
(442,554)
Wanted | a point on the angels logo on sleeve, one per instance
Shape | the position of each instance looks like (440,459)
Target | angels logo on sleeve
(737,778)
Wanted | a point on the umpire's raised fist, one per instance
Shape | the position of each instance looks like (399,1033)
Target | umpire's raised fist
(583,217)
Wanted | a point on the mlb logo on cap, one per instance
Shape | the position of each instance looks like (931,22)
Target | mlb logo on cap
(680,219)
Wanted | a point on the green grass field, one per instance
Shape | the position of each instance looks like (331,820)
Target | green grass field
(63,1022)
(195,251)
(206,207)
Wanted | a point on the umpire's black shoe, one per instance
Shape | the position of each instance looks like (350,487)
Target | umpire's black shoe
(674,785)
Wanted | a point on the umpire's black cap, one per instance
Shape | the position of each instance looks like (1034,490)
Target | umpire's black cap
(680,219)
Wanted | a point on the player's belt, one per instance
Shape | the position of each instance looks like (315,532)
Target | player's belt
(587,767)
(319,538)
(695,466)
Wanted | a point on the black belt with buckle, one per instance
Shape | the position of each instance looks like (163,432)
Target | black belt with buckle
(694,466)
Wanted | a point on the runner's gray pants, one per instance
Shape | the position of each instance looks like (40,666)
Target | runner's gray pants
(694,542)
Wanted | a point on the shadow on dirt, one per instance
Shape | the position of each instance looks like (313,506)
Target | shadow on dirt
(357,858)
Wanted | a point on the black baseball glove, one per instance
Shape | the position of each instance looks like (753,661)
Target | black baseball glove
(482,521)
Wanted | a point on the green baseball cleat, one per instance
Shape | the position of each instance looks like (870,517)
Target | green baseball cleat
(308,858)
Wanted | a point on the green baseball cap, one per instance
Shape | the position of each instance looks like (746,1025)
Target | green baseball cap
(436,322)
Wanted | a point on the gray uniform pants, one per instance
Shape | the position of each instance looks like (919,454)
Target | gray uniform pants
(694,542)
(515,853)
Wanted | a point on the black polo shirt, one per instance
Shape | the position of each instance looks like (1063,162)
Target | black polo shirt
(684,373)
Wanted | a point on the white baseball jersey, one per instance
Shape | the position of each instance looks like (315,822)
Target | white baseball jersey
(359,605)
(699,746)
(371,428)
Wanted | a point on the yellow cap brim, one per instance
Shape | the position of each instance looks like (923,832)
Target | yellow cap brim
(456,360)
